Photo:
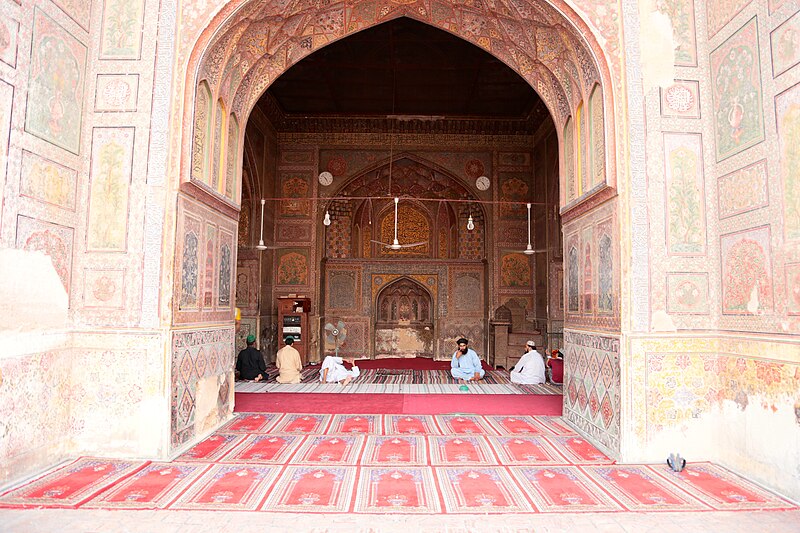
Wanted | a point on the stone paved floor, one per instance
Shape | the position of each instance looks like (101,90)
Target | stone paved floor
(103,521)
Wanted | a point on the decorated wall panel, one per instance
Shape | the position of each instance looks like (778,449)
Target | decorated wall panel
(247,284)
(8,43)
(109,189)
(205,256)
(681,99)
(743,190)
(591,270)
(787,109)
(56,84)
(592,390)
(785,45)
(116,93)
(202,374)
(681,13)
(717,396)
(48,181)
(736,82)
(121,34)
(53,240)
(685,193)
(747,276)
(344,288)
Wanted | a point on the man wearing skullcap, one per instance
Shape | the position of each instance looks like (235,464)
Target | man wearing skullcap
(250,363)
(530,368)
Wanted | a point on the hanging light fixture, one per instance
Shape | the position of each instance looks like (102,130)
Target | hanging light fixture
(261,245)
(327,219)
(470,223)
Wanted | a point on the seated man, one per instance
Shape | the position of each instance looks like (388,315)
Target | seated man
(530,368)
(466,366)
(250,363)
(333,371)
(288,362)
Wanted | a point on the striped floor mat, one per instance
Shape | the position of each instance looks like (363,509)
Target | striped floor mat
(365,385)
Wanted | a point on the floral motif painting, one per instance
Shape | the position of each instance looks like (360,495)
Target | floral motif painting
(292,267)
(112,163)
(8,41)
(224,299)
(55,85)
(294,190)
(515,270)
(785,41)
(53,240)
(681,13)
(605,277)
(572,280)
(686,232)
(793,288)
(787,111)
(687,293)
(48,181)
(189,270)
(513,189)
(743,190)
(122,29)
(720,12)
(746,272)
(736,90)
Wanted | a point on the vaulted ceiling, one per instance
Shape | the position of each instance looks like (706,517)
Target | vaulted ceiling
(403,68)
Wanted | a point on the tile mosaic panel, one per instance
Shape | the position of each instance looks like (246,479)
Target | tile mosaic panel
(56,84)
(196,355)
(592,387)
(109,186)
(736,90)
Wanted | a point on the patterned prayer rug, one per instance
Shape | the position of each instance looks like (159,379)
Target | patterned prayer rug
(383,464)
(153,487)
(398,381)
(72,484)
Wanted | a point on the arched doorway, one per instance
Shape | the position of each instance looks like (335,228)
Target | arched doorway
(248,46)
(405,323)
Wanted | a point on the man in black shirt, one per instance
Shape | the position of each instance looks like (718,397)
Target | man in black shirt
(250,363)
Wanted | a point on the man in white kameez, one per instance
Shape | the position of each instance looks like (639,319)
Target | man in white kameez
(333,371)
(530,368)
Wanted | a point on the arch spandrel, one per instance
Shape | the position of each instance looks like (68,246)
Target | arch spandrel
(552,28)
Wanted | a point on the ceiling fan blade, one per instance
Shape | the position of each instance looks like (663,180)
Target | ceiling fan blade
(413,245)
(380,242)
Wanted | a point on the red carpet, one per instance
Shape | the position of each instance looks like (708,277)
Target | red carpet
(391,463)
(422,404)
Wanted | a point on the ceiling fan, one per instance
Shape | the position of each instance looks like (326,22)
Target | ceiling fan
(395,245)
(529,249)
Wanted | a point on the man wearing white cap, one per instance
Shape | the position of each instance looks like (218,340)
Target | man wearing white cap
(530,368)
